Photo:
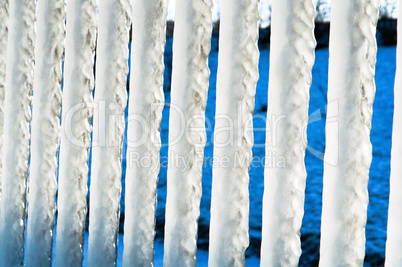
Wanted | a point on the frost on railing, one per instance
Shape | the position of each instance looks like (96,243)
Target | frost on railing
(45,131)
(292,35)
(145,105)
(108,130)
(3,58)
(191,47)
(394,234)
(348,151)
(348,148)
(17,117)
(77,109)
(236,85)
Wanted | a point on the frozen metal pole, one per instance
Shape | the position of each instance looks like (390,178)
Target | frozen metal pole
(233,136)
(77,110)
(45,131)
(143,140)
(393,256)
(187,137)
(108,130)
(348,152)
(17,117)
(3,60)
(292,35)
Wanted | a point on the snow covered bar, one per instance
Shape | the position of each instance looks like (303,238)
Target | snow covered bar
(292,35)
(104,26)
(77,110)
(45,130)
(191,47)
(108,130)
(17,117)
(394,238)
(146,101)
(236,84)
(348,152)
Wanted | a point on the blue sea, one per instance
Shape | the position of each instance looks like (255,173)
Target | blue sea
(310,232)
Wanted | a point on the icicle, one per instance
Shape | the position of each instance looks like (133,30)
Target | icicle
(292,35)
(233,137)
(77,109)
(108,124)
(3,59)
(17,116)
(45,131)
(393,255)
(348,151)
(145,105)
(187,137)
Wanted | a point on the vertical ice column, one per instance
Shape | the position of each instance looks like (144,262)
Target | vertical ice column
(3,59)
(393,255)
(108,130)
(77,109)
(292,49)
(143,134)
(233,136)
(45,131)
(17,116)
(187,137)
(348,153)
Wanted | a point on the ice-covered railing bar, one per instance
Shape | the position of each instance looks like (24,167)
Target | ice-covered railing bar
(236,84)
(292,35)
(45,130)
(348,151)
(187,136)
(110,101)
(3,59)
(393,255)
(17,116)
(146,102)
(77,109)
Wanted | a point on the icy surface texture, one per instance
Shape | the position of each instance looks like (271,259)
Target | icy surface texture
(108,128)
(236,86)
(187,137)
(45,131)
(17,117)
(77,110)
(394,233)
(348,151)
(291,62)
(145,104)
(3,60)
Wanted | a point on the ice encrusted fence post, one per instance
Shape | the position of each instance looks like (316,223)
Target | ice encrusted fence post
(233,136)
(3,59)
(77,110)
(146,102)
(348,152)
(108,130)
(45,131)
(17,117)
(187,136)
(291,62)
(393,256)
